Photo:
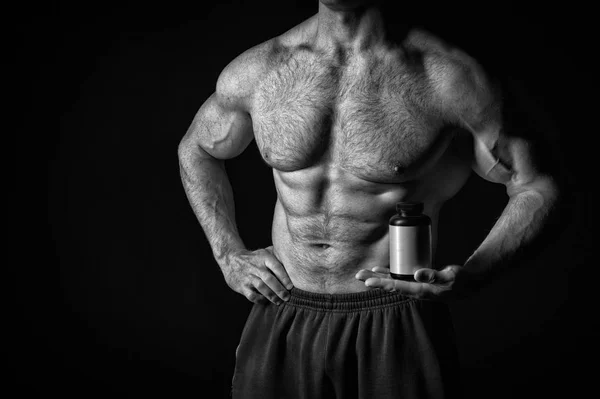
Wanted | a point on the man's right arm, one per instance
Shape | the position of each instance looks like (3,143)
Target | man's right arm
(215,134)
(221,130)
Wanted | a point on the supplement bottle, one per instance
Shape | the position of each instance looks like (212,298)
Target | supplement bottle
(410,240)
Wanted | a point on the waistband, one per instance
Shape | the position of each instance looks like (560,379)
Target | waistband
(372,299)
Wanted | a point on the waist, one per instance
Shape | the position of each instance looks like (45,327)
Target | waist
(345,302)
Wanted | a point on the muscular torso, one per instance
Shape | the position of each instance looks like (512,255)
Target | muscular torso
(348,136)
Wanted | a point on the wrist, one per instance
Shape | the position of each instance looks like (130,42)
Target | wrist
(225,255)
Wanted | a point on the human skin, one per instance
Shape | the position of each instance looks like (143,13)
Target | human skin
(352,120)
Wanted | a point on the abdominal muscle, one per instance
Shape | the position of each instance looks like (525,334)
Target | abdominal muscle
(328,265)
(328,223)
(322,246)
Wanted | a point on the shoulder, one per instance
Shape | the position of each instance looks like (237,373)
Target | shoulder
(460,83)
(239,80)
(440,53)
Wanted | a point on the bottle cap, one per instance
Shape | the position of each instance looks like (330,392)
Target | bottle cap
(410,207)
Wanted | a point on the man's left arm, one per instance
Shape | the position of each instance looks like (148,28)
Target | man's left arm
(533,193)
(505,153)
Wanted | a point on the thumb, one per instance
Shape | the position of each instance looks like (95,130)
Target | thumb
(426,275)
(446,275)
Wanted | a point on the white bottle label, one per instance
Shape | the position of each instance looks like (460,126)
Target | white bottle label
(410,248)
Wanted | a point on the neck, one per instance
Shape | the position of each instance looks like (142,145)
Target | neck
(354,28)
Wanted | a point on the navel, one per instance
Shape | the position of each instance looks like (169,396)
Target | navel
(320,245)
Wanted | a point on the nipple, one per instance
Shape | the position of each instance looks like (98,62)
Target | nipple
(398,169)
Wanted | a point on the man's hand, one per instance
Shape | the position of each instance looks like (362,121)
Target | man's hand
(258,275)
(450,282)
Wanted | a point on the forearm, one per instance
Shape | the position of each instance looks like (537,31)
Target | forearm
(208,189)
(526,216)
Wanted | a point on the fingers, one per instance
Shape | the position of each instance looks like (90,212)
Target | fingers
(407,288)
(446,275)
(277,268)
(271,279)
(381,269)
(259,276)
(270,288)
(379,277)
(422,275)
(426,276)
(364,274)
(430,283)
(254,296)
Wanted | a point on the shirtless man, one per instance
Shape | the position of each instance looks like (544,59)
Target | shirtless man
(352,120)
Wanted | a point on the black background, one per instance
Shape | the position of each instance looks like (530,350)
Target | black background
(115,290)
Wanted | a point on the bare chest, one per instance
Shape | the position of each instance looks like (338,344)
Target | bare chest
(371,118)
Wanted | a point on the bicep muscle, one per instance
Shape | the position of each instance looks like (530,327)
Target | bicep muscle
(220,130)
